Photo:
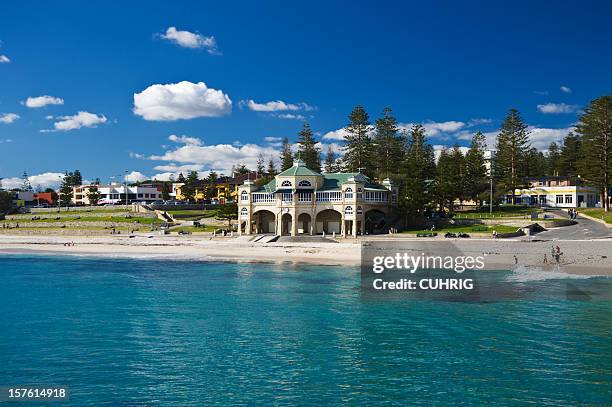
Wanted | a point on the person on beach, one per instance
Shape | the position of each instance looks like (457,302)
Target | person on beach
(545,259)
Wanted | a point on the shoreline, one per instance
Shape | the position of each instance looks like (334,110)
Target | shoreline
(580,257)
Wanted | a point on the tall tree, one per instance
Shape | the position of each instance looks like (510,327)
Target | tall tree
(331,161)
(212,177)
(180,178)
(445,188)
(388,145)
(570,155)
(188,190)
(512,146)
(420,166)
(595,129)
(307,149)
(358,143)
(536,163)
(77,178)
(476,174)
(65,191)
(286,157)
(458,174)
(27,186)
(93,195)
(165,191)
(271,167)
(260,164)
(553,159)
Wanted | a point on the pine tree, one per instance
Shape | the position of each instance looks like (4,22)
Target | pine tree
(511,157)
(553,159)
(331,164)
(212,177)
(388,145)
(260,164)
(536,163)
(420,168)
(595,129)
(27,186)
(358,143)
(286,156)
(93,195)
(307,149)
(570,155)
(188,190)
(166,191)
(458,174)
(181,178)
(445,188)
(65,192)
(271,167)
(476,177)
(77,178)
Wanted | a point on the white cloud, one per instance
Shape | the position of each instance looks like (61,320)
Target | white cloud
(556,108)
(135,176)
(541,92)
(42,101)
(166,176)
(6,140)
(81,119)
(219,156)
(540,137)
(477,122)
(8,118)
(438,149)
(45,180)
(289,116)
(275,106)
(4,59)
(566,89)
(335,135)
(136,155)
(192,141)
(183,100)
(189,39)
(172,167)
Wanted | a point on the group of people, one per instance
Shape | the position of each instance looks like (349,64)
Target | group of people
(573,214)
(555,253)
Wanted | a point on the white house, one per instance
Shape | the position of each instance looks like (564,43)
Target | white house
(300,201)
(556,192)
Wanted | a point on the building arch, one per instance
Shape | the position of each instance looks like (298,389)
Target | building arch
(286,224)
(375,221)
(286,183)
(328,221)
(304,183)
(264,221)
(244,196)
(304,225)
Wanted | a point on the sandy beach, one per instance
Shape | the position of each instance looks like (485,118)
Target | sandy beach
(592,257)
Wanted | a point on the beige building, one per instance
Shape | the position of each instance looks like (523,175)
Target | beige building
(300,201)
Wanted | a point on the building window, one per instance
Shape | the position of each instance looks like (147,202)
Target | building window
(286,183)
(559,199)
(359,210)
(244,212)
(139,195)
(244,196)
(348,193)
(304,197)
(568,199)
(287,197)
(348,210)
(542,199)
(304,183)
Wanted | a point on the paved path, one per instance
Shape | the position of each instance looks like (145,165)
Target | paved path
(585,229)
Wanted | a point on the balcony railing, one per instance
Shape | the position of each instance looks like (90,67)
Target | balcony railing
(376,196)
(329,196)
(262,197)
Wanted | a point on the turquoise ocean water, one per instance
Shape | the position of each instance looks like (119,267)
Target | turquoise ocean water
(173,333)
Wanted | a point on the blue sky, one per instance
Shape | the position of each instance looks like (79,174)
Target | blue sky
(455,67)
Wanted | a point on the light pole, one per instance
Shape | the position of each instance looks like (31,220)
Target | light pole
(126,190)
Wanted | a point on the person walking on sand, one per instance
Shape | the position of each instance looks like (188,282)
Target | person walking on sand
(545,259)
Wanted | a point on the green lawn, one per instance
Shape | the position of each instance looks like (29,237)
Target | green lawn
(598,213)
(510,212)
(196,214)
(192,229)
(467,229)
(76,218)
(101,209)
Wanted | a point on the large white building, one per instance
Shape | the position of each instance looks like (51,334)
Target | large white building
(556,192)
(300,201)
(116,193)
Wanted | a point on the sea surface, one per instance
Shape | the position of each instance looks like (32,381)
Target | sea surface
(177,333)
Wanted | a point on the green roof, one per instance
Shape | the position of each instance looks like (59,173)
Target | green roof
(298,168)
(331,181)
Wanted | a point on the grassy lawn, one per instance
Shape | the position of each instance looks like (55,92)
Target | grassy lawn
(497,213)
(196,214)
(193,229)
(468,229)
(121,228)
(76,218)
(598,213)
(101,209)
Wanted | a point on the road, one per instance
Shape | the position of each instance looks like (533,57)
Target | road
(585,229)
